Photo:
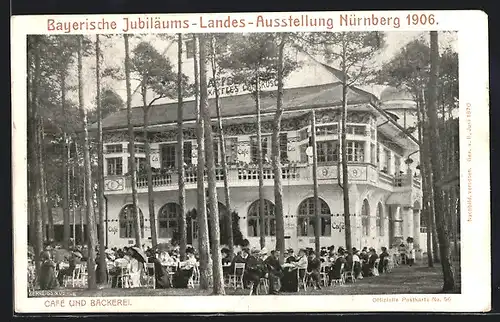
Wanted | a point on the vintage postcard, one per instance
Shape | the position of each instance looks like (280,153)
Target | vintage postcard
(251,162)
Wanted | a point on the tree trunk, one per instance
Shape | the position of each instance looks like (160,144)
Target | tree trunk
(33,142)
(262,215)
(88,175)
(228,217)
(436,164)
(276,159)
(180,153)
(65,194)
(317,206)
(425,182)
(149,173)
(100,166)
(45,210)
(83,198)
(345,179)
(218,279)
(131,148)
(204,245)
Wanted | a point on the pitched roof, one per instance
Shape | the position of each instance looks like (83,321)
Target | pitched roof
(241,105)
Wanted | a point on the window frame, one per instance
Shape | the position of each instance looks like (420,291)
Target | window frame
(108,164)
(310,218)
(269,218)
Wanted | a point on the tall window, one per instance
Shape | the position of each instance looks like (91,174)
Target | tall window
(365,218)
(232,150)
(303,156)
(380,220)
(188,152)
(397,164)
(387,165)
(327,151)
(254,219)
(126,220)
(189,49)
(266,149)
(307,218)
(355,151)
(114,166)
(168,156)
(284,147)
(168,219)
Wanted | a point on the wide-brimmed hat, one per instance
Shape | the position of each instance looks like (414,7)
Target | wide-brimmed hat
(263,251)
(255,251)
(77,254)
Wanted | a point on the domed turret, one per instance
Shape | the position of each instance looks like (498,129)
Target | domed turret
(399,102)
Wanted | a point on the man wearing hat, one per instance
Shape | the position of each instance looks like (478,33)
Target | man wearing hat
(255,268)
(76,258)
(275,272)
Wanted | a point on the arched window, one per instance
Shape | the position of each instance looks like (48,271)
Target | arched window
(254,219)
(380,219)
(365,218)
(307,219)
(168,220)
(126,219)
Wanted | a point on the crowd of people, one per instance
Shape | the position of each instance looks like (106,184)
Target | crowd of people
(318,270)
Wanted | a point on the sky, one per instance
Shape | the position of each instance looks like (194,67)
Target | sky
(114,56)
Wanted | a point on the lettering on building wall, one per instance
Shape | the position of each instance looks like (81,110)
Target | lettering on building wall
(226,85)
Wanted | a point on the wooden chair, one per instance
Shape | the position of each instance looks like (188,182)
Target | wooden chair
(350,275)
(323,274)
(341,280)
(149,275)
(236,279)
(301,279)
(263,285)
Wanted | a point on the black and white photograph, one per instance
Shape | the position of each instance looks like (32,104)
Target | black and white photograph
(249,164)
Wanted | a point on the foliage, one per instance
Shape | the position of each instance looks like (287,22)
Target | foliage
(155,72)
(251,57)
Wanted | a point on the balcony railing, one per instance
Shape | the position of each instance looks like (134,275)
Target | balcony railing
(290,174)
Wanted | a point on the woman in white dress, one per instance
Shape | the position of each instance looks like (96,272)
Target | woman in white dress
(410,251)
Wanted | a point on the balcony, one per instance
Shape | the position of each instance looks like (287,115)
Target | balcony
(295,174)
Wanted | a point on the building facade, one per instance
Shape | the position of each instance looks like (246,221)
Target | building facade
(384,181)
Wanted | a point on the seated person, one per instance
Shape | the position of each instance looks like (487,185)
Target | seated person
(337,270)
(255,268)
(182,275)
(275,272)
(74,259)
(371,262)
(162,279)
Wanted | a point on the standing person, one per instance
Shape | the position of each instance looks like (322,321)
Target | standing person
(275,272)
(313,269)
(47,276)
(371,262)
(384,259)
(357,263)
(410,251)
